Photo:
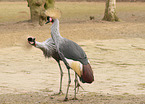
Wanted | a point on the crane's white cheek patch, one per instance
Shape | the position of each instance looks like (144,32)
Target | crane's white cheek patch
(76,66)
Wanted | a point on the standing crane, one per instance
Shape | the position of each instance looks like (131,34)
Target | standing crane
(72,55)
(49,50)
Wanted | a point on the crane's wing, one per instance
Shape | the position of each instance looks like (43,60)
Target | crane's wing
(72,50)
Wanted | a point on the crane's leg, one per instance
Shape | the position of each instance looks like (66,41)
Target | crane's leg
(61,75)
(69,81)
(76,82)
(78,85)
(68,67)
(64,60)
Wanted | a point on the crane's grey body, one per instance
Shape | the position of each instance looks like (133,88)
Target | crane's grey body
(71,50)
(49,49)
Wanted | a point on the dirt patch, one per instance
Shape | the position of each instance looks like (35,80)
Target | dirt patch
(27,77)
(13,34)
(93,98)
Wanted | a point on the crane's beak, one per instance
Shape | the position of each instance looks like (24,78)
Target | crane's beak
(31,40)
(47,22)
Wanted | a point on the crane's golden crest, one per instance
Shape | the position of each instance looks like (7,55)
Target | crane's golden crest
(53,12)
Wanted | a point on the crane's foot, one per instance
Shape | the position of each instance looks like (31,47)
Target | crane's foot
(66,99)
(74,98)
(59,93)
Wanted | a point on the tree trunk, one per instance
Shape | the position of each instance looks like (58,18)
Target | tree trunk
(132,0)
(37,9)
(110,11)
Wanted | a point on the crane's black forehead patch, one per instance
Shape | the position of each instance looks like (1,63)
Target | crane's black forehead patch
(30,39)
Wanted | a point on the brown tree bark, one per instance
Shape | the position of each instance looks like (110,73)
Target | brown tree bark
(37,9)
(110,11)
(132,0)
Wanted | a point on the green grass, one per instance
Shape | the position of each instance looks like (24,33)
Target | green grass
(18,11)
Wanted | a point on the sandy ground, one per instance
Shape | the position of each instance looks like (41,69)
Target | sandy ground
(118,62)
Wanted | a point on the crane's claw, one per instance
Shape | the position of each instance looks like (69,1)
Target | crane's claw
(66,99)
(59,93)
(74,98)
(78,85)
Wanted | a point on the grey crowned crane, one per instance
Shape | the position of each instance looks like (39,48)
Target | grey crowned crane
(72,55)
(49,50)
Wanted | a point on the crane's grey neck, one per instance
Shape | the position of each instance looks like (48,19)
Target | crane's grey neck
(47,47)
(55,32)
(39,45)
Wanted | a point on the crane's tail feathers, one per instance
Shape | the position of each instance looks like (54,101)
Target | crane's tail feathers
(87,74)
(84,72)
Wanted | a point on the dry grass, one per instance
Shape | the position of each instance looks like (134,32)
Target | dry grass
(71,11)
(13,12)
